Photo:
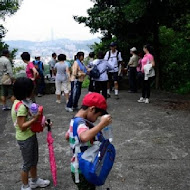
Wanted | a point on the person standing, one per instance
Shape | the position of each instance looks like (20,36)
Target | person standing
(79,72)
(62,73)
(6,68)
(31,71)
(114,59)
(40,80)
(90,64)
(52,63)
(148,60)
(133,62)
(103,67)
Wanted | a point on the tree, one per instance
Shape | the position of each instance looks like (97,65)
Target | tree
(136,22)
(7,8)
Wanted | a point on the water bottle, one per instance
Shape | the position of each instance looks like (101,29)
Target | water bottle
(34,109)
(107,133)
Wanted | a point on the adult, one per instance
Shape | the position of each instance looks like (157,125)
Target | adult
(6,69)
(114,59)
(90,65)
(61,70)
(40,80)
(103,67)
(147,65)
(133,62)
(31,71)
(52,63)
(78,74)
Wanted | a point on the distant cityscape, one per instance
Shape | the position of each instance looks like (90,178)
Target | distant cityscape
(46,48)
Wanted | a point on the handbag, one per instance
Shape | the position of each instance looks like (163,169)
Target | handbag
(6,79)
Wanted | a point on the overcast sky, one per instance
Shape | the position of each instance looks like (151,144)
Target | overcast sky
(39,20)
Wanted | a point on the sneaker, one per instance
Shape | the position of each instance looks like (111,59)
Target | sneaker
(58,101)
(5,108)
(108,96)
(39,183)
(141,100)
(147,101)
(22,188)
(75,109)
(116,97)
(40,95)
(68,109)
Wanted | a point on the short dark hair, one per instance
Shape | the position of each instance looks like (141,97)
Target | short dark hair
(91,54)
(5,52)
(54,54)
(100,55)
(25,56)
(23,88)
(97,110)
(79,54)
(61,57)
(149,48)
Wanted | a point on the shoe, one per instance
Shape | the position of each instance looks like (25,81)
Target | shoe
(116,97)
(58,101)
(147,101)
(5,108)
(40,95)
(22,188)
(68,109)
(141,100)
(76,109)
(108,96)
(39,183)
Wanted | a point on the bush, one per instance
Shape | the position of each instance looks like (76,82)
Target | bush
(86,83)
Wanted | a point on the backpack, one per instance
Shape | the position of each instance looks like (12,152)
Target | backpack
(96,162)
(38,66)
(117,56)
(38,126)
(95,73)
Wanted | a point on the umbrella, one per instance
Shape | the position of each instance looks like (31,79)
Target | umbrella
(51,154)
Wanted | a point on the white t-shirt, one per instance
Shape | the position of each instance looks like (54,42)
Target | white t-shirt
(113,59)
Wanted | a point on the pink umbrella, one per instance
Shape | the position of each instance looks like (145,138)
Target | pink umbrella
(51,154)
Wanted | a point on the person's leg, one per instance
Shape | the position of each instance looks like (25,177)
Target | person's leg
(97,86)
(130,79)
(78,93)
(116,86)
(58,91)
(91,86)
(148,88)
(109,83)
(134,85)
(70,102)
(66,89)
(41,85)
(103,88)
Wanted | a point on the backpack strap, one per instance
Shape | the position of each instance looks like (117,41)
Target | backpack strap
(81,65)
(18,104)
(75,125)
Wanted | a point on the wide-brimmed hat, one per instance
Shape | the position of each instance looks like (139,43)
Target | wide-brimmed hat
(133,49)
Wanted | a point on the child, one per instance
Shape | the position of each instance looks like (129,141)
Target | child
(93,106)
(23,88)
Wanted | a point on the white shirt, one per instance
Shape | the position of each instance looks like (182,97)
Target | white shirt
(113,59)
(103,66)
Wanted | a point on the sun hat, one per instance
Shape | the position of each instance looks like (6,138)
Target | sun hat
(133,49)
(95,99)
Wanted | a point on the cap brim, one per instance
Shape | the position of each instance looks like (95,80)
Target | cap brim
(104,112)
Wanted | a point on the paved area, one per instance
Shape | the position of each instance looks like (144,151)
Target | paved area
(152,143)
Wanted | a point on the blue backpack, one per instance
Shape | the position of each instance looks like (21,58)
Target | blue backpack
(96,162)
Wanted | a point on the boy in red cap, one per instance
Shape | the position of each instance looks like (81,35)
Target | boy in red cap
(93,106)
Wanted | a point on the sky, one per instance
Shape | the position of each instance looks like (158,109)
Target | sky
(40,20)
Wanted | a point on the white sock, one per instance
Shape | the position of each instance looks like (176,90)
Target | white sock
(25,186)
(116,92)
(108,91)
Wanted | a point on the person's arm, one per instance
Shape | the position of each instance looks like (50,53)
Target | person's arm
(152,60)
(91,133)
(35,72)
(75,69)
(68,72)
(131,61)
(23,124)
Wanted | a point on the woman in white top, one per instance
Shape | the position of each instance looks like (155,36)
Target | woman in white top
(103,66)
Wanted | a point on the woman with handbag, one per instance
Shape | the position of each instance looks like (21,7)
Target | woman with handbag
(147,59)
(6,78)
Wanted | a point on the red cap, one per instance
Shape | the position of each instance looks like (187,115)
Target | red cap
(95,99)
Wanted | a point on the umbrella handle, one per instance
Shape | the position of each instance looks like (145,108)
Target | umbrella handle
(48,126)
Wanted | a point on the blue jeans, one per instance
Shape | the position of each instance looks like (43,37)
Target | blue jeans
(75,94)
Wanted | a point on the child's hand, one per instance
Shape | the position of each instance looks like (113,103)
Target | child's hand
(46,124)
(105,120)
(36,116)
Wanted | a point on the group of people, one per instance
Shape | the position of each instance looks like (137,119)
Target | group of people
(69,81)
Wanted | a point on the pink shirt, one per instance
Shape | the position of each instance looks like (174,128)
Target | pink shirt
(147,58)
(29,71)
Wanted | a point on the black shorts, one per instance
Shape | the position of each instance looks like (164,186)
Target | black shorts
(113,76)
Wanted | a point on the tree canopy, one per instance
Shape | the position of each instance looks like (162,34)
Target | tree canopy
(138,22)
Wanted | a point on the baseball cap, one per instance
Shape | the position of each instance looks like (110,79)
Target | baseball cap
(95,99)
(113,44)
(133,49)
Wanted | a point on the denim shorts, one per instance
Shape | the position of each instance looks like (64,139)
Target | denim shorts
(29,151)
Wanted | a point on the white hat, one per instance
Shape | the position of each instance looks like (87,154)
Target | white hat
(133,49)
